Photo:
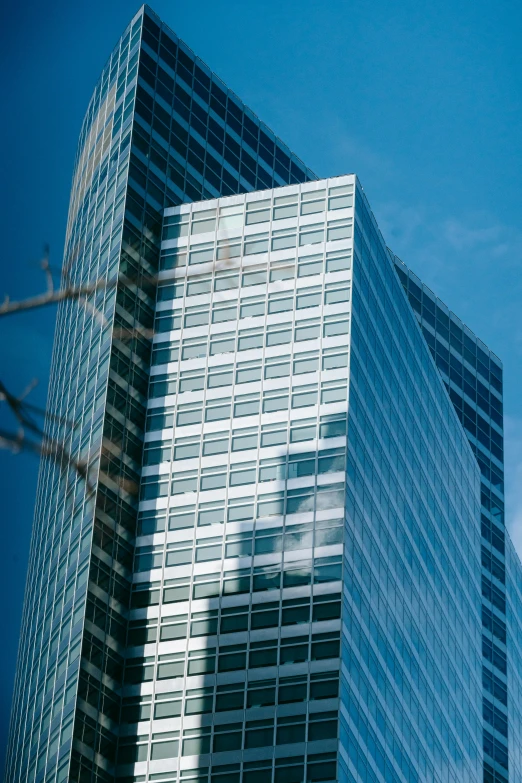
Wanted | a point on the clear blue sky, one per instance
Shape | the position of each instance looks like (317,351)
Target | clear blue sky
(422,100)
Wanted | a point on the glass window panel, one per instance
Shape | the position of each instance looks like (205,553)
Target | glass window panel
(224,345)
(225,282)
(282,272)
(252,307)
(283,241)
(311,237)
(256,244)
(256,277)
(285,211)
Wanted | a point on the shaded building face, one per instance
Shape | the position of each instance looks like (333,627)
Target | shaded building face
(275,572)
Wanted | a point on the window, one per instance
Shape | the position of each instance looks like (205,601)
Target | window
(291,729)
(254,277)
(308,297)
(186,448)
(309,265)
(156,452)
(167,321)
(334,358)
(277,367)
(184,482)
(226,281)
(231,217)
(172,258)
(259,733)
(196,316)
(339,229)
(229,697)
(209,549)
(340,197)
(232,658)
(311,235)
(176,590)
(285,207)
(335,325)
(175,226)
(332,426)
(221,344)
(216,443)
(159,418)
(278,334)
(252,306)
(182,517)
(282,270)
(336,292)
(217,409)
(221,375)
(201,285)
(211,513)
(199,700)
(256,243)
(274,434)
(334,391)
(224,311)
(194,349)
(213,478)
(170,290)
(272,469)
(261,693)
(263,653)
(324,685)
(244,439)
(282,240)
(248,372)
(150,522)
(306,362)
(191,380)
(302,430)
(258,212)
(275,401)
(204,254)
(312,201)
(246,405)
(237,545)
(280,302)
(250,339)
(189,413)
(307,330)
(164,354)
(203,222)
(173,628)
(303,396)
(338,261)
(244,473)
(227,250)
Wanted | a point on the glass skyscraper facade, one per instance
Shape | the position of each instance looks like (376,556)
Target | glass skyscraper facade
(288,560)
(474,380)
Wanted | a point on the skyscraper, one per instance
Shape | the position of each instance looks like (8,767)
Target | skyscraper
(274,570)
(160,129)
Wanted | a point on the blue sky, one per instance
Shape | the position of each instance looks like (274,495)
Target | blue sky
(422,100)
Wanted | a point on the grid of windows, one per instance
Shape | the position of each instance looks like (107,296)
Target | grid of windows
(394,487)
(473,378)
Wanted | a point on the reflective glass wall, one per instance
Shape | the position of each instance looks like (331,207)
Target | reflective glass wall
(473,378)
(411,674)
